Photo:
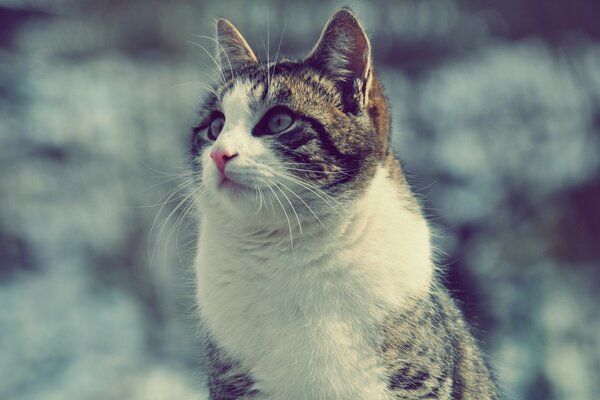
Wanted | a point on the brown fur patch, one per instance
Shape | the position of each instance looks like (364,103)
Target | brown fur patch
(429,353)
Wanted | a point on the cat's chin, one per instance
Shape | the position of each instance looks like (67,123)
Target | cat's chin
(233,188)
(234,198)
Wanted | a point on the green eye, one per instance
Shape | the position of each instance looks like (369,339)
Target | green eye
(215,127)
(279,122)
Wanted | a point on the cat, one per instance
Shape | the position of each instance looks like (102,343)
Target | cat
(314,270)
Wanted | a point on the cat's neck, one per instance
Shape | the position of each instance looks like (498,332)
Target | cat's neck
(378,231)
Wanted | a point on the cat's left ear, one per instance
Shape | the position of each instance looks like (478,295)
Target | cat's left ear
(343,50)
(233,52)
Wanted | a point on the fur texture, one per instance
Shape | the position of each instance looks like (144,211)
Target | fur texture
(314,270)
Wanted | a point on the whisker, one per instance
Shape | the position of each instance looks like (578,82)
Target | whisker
(164,181)
(185,171)
(305,204)
(222,49)
(292,206)
(314,189)
(223,79)
(304,169)
(286,217)
(315,171)
(268,197)
(203,84)
(303,165)
(257,195)
(268,61)
(278,48)
(168,196)
(175,229)
(164,223)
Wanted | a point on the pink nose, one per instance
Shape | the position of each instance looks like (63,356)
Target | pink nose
(221,157)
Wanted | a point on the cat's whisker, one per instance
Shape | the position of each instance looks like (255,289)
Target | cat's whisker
(309,186)
(257,195)
(187,213)
(222,49)
(161,203)
(202,84)
(268,61)
(330,173)
(256,198)
(292,206)
(266,49)
(175,229)
(166,220)
(270,187)
(260,194)
(266,185)
(184,171)
(317,188)
(223,78)
(304,166)
(305,204)
(168,197)
(180,198)
(278,48)
(173,178)
(314,189)
(173,175)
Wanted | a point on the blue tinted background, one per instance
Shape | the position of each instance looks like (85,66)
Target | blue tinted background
(496,115)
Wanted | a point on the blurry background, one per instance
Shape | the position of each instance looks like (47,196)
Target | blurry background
(496,116)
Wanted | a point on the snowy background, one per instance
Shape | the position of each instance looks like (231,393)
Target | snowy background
(496,116)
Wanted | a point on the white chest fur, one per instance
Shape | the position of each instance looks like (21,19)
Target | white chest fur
(304,324)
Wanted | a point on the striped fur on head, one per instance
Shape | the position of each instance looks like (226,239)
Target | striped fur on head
(341,121)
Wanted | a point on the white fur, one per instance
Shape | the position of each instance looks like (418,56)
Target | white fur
(304,319)
(303,324)
(253,160)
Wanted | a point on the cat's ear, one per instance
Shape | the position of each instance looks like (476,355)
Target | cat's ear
(343,50)
(233,52)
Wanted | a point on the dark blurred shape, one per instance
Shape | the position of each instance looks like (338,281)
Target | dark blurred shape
(551,20)
(14,256)
(12,19)
(573,225)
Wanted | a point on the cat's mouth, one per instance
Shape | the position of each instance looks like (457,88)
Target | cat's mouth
(226,183)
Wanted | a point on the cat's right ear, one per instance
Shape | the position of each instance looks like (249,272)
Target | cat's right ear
(233,52)
(344,52)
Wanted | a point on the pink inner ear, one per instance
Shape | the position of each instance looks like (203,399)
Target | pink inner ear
(233,51)
(343,47)
(358,56)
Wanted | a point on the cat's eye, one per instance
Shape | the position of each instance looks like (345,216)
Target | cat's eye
(279,122)
(215,127)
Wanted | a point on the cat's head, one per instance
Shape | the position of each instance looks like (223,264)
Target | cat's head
(294,136)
